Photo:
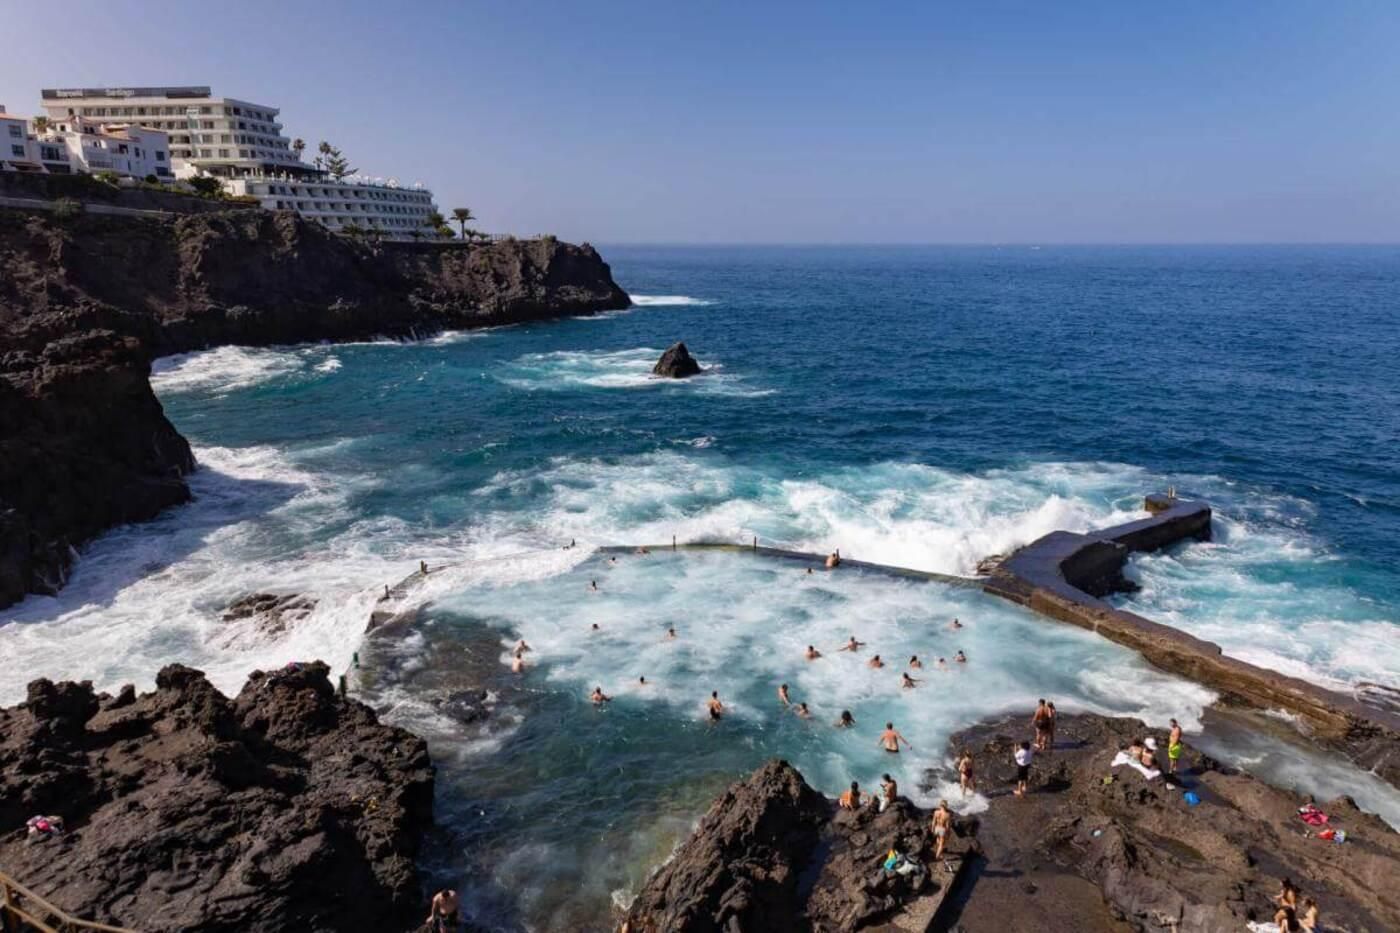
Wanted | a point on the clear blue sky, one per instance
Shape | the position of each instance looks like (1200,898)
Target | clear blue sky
(806,122)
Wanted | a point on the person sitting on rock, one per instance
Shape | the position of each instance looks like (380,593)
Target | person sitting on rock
(1287,920)
(889,789)
(1308,919)
(442,918)
(1287,895)
(850,800)
(942,822)
(1149,753)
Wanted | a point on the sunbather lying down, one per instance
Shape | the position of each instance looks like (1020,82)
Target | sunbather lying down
(1123,758)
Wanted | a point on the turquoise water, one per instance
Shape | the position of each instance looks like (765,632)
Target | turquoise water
(916,406)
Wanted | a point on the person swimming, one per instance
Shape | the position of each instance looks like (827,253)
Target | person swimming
(852,645)
(890,739)
(803,712)
(642,681)
(592,586)
(846,721)
(875,662)
(908,682)
(596,627)
(715,707)
(599,697)
(812,653)
(960,657)
(809,572)
(671,632)
(914,662)
(517,663)
(783,695)
(521,647)
(955,625)
(612,560)
(942,664)
(833,560)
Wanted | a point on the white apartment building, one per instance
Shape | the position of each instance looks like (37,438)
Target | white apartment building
(396,212)
(18,150)
(77,144)
(212,135)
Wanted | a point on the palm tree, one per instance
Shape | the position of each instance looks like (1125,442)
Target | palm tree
(41,125)
(462,215)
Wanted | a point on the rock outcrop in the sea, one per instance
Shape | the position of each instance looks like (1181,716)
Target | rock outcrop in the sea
(676,363)
(270,613)
(87,302)
(285,808)
(773,854)
(1156,861)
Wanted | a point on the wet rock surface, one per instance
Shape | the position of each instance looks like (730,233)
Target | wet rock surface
(284,808)
(773,854)
(1154,861)
(87,303)
(270,613)
(676,363)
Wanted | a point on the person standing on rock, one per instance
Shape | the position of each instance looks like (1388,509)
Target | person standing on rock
(442,918)
(1023,757)
(967,776)
(715,707)
(942,823)
(890,739)
(1040,720)
(1173,747)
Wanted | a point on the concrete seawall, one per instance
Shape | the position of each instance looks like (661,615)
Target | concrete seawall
(1063,575)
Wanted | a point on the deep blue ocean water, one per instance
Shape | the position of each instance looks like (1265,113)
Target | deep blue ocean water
(920,406)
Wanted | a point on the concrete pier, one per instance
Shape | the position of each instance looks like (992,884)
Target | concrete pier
(1063,575)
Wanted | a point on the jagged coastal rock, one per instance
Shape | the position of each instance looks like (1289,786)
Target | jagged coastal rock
(86,303)
(285,808)
(676,363)
(773,854)
(1075,853)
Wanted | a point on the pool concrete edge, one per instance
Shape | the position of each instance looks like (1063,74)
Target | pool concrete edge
(1063,576)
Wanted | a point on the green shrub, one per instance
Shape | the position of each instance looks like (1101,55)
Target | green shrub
(67,208)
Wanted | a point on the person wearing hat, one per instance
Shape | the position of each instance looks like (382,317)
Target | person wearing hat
(1149,753)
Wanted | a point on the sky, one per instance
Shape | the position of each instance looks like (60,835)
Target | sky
(717,122)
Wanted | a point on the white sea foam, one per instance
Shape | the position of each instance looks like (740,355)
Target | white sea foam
(228,369)
(616,369)
(655,301)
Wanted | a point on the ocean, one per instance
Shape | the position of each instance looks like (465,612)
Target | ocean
(918,406)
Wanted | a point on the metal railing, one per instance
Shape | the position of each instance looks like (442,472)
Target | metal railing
(22,909)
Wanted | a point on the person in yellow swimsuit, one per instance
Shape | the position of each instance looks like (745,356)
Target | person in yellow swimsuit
(1173,747)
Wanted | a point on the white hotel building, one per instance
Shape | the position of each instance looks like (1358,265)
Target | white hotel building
(242,144)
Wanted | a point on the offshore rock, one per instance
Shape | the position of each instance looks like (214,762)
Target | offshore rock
(87,302)
(676,363)
(286,808)
(270,613)
(1138,847)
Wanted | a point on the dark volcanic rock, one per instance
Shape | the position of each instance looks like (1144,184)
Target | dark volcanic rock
(272,614)
(1157,862)
(286,808)
(86,303)
(775,855)
(676,363)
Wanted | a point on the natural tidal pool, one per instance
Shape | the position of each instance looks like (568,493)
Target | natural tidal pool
(567,805)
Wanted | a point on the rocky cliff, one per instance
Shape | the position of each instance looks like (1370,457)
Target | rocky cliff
(285,808)
(87,302)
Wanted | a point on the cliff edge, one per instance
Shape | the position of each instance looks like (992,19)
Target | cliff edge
(87,302)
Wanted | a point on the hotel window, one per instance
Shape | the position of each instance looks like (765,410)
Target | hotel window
(223,153)
(17,150)
(15,131)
